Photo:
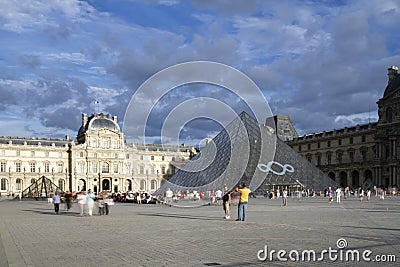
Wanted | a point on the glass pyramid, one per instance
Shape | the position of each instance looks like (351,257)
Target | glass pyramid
(246,152)
(40,189)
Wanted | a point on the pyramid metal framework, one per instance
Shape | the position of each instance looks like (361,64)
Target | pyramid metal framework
(247,152)
(40,189)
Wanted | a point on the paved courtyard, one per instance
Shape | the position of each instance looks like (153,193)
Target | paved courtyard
(156,235)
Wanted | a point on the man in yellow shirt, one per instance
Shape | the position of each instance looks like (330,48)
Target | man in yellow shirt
(244,199)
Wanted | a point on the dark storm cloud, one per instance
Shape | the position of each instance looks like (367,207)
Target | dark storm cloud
(64,118)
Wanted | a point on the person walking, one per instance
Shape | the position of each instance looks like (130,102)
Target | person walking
(338,194)
(226,202)
(56,201)
(244,199)
(284,196)
(82,201)
(90,201)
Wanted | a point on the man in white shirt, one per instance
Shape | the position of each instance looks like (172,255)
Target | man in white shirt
(338,194)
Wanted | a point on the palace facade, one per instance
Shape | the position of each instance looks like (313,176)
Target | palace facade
(363,154)
(99,159)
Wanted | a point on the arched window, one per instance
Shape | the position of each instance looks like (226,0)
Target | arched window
(33,181)
(153,184)
(4,184)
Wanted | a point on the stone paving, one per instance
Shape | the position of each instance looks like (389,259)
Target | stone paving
(157,235)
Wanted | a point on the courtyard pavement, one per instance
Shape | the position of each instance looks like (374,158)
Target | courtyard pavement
(158,235)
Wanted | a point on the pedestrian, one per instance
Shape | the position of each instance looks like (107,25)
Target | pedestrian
(56,201)
(168,195)
(284,196)
(368,195)
(68,197)
(218,196)
(138,198)
(330,195)
(361,194)
(90,201)
(82,201)
(20,195)
(338,194)
(243,200)
(226,202)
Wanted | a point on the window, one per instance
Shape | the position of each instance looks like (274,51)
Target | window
(162,169)
(363,138)
(46,154)
(319,145)
(81,167)
(94,167)
(81,154)
(340,142)
(60,154)
(152,157)
(162,158)
(4,184)
(141,157)
(32,153)
(299,147)
(351,156)
(351,140)
(141,170)
(329,143)
(364,155)
(59,167)
(33,167)
(95,155)
(61,184)
(115,167)
(152,170)
(318,160)
(173,158)
(127,156)
(18,184)
(339,158)
(142,184)
(18,153)
(33,181)
(389,114)
(18,167)
(2,152)
(116,155)
(153,184)
(308,146)
(329,157)
(46,167)
(105,168)
(3,167)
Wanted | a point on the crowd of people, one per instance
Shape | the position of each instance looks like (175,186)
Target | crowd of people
(86,201)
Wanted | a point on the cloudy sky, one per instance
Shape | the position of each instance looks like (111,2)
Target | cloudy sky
(323,63)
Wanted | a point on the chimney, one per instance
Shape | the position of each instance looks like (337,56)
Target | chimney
(115,119)
(392,73)
(84,119)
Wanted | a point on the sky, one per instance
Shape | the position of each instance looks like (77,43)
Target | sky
(323,63)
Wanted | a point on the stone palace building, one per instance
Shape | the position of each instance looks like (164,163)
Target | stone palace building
(360,154)
(99,159)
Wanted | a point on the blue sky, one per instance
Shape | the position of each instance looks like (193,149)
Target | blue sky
(323,63)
